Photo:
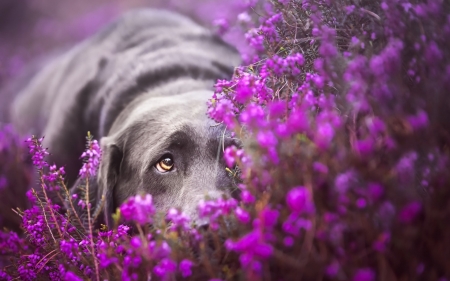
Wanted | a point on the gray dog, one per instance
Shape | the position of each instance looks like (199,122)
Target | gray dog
(140,86)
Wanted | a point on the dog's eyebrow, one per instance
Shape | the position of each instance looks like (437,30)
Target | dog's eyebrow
(180,137)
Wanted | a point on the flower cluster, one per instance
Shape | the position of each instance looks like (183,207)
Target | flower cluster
(138,208)
(37,152)
(215,209)
(92,156)
(337,113)
(178,219)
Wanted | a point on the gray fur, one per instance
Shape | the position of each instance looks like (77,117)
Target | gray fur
(140,86)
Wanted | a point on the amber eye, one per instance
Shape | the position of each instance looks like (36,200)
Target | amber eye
(164,165)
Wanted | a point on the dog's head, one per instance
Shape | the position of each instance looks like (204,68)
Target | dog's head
(167,147)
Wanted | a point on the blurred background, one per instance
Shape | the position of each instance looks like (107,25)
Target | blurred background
(31,30)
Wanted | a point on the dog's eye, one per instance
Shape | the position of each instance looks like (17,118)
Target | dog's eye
(165,164)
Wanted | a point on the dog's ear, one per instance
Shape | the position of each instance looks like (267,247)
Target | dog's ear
(108,176)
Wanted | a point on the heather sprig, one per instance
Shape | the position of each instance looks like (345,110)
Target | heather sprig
(37,152)
(91,157)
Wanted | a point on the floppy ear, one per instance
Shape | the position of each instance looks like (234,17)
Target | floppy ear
(108,176)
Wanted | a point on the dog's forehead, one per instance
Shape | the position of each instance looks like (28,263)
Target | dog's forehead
(165,111)
(155,124)
(174,128)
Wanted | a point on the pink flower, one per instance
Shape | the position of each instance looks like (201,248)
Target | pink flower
(297,199)
(410,212)
(185,268)
(91,156)
(37,152)
(365,274)
(138,208)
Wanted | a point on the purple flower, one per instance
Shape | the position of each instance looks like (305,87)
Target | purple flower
(419,121)
(212,209)
(5,276)
(375,126)
(375,191)
(267,217)
(136,242)
(344,181)
(244,17)
(247,197)
(364,147)
(222,26)
(230,155)
(349,9)
(433,53)
(178,219)
(333,269)
(245,88)
(10,242)
(361,203)
(293,224)
(365,274)
(185,268)
(405,166)
(321,168)
(221,206)
(267,139)
(410,212)
(253,116)
(165,268)
(277,109)
(91,157)
(242,215)
(35,225)
(297,199)
(138,208)
(298,122)
(255,40)
(288,241)
(160,251)
(27,267)
(324,135)
(37,152)
(251,244)
(381,243)
(53,175)
(222,110)
(70,248)
(70,276)
(387,213)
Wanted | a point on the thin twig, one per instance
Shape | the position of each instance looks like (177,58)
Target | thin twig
(91,235)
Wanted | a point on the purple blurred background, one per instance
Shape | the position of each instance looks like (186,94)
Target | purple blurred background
(32,29)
